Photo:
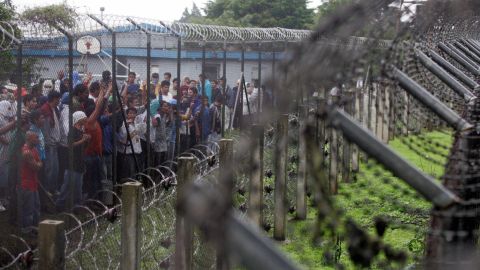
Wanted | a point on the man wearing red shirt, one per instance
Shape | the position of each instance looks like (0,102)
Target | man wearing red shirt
(28,200)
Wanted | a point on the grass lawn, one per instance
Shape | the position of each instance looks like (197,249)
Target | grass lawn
(376,193)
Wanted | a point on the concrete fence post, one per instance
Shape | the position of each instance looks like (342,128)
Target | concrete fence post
(131,238)
(346,147)
(281,159)
(51,245)
(373,108)
(321,130)
(386,113)
(301,196)
(255,201)
(333,170)
(226,185)
(380,110)
(405,113)
(392,117)
(366,112)
(183,230)
(357,115)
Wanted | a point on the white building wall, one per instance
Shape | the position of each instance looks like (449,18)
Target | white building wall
(49,66)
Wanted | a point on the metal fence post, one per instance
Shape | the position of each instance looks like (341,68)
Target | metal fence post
(149,58)
(51,245)
(301,196)
(281,159)
(226,185)
(178,121)
(70,37)
(183,230)
(224,86)
(255,200)
(260,90)
(132,199)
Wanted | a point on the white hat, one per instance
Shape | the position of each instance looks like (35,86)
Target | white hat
(47,87)
(77,116)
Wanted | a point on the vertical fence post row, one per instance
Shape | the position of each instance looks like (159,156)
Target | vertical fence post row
(226,185)
(132,199)
(51,245)
(281,159)
(183,230)
(301,196)
(255,200)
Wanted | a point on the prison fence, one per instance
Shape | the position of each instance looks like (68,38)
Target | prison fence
(342,99)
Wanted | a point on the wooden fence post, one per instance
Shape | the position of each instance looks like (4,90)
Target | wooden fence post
(183,230)
(255,202)
(131,238)
(301,196)
(281,156)
(226,185)
(51,245)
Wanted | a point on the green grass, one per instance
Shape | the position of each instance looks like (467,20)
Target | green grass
(376,194)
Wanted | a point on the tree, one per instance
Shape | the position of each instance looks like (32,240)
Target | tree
(195,16)
(329,7)
(56,14)
(258,13)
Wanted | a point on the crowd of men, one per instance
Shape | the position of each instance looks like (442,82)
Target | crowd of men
(38,174)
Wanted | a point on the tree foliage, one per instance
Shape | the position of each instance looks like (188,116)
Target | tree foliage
(56,14)
(193,16)
(258,13)
(329,7)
